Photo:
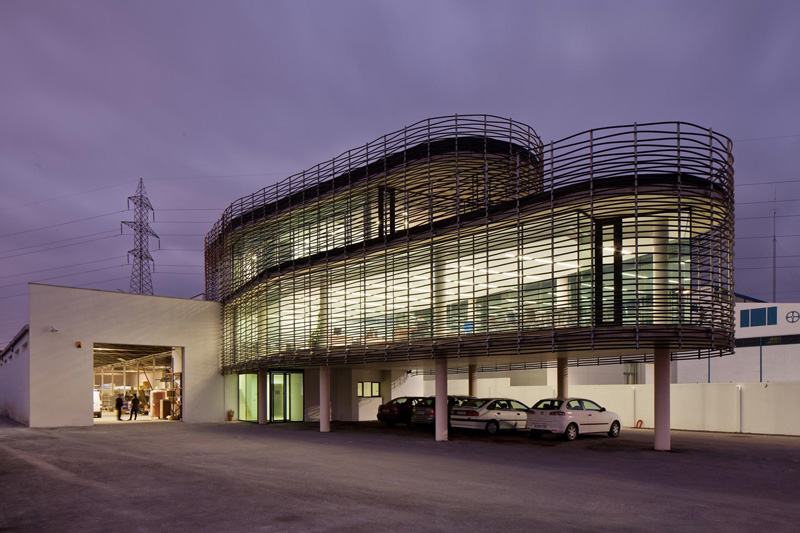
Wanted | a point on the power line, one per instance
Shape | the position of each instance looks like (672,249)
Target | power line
(58,241)
(766,237)
(62,224)
(191,209)
(62,276)
(756,218)
(766,266)
(63,246)
(766,256)
(764,183)
(66,196)
(766,138)
(67,266)
(768,201)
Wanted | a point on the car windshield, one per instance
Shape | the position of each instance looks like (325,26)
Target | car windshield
(474,403)
(548,405)
(426,401)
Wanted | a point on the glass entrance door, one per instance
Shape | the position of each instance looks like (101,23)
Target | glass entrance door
(248,397)
(278,397)
(286,396)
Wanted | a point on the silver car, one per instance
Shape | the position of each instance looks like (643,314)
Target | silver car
(425,410)
(490,414)
(569,417)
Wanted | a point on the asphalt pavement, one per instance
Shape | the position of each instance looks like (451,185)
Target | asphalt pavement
(365,476)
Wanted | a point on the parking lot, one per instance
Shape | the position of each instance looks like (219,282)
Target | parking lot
(365,476)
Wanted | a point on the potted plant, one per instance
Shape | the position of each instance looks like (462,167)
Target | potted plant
(230,414)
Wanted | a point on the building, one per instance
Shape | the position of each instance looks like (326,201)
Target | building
(767,348)
(459,245)
(466,242)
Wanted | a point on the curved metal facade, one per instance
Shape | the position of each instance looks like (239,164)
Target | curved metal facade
(466,237)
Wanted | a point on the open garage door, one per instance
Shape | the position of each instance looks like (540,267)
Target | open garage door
(153,374)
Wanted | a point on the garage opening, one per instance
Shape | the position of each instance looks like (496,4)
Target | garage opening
(152,373)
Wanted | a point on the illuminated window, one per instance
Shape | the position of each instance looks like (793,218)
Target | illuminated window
(368,389)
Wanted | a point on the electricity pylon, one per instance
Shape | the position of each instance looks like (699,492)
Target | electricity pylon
(141,282)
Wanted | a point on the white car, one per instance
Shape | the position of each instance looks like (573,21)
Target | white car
(491,414)
(570,417)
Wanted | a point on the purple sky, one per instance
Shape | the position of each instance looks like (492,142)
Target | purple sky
(210,101)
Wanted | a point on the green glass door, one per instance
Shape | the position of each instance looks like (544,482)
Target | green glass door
(286,397)
(248,397)
(278,397)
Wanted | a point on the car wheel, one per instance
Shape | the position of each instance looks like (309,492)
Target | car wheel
(614,431)
(571,433)
(492,427)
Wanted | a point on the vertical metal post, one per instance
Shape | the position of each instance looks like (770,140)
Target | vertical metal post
(774,250)
(440,407)
(324,399)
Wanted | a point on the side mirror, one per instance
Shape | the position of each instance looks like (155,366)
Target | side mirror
(602,409)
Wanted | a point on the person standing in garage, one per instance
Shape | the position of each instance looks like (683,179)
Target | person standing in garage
(134,408)
(118,405)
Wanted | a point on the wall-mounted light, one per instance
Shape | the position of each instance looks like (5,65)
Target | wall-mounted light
(78,344)
(53,329)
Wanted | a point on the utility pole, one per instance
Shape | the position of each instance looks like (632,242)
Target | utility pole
(141,282)
(774,247)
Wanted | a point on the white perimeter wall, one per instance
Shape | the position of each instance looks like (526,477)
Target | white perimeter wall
(767,408)
(61,374)
(14,379)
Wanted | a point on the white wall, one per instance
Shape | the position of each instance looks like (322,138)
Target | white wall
(311,394)
(14,380)
(776,363)
(61,373)
(770,363)
(345,405)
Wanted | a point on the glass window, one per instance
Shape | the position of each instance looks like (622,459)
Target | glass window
(248,397)
(745,319)
(772,316)
(296,406)
(548,405)
(368,389)
(758,317)
(517,405)
(574,405)
(473,403)
(591,406)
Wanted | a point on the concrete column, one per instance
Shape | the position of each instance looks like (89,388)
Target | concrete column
(324,399)
(473,380)
(441,399)
(661,392)
(562,378)
(263,391)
